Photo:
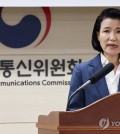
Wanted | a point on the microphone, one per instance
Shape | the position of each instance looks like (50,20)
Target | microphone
(99,74)
(93,79)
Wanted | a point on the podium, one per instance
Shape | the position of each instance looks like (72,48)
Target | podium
(101,117)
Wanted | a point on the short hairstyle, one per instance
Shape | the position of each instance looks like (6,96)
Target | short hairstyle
(112,13)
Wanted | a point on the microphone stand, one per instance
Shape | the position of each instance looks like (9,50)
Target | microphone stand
(76,91)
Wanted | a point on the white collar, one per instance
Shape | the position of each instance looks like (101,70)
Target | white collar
(104,60)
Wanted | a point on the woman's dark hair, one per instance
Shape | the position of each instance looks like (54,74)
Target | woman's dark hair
(107,13)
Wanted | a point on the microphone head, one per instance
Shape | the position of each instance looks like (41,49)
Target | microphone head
(101,73)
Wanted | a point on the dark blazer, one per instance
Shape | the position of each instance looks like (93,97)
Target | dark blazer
(93,92)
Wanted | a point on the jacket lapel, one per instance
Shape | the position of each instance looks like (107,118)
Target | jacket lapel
(101,85)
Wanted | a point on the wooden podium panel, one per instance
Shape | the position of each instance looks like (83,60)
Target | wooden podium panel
(101,117)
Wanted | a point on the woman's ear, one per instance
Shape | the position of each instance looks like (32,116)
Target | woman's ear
(98,35)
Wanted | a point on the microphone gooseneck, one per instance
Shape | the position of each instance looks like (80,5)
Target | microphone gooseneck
(94,78)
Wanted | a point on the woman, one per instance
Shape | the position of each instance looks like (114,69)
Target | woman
(106,40)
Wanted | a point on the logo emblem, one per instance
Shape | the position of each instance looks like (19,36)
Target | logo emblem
(24,32)
(104,123)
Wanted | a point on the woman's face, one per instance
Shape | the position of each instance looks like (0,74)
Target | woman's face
(109,36)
